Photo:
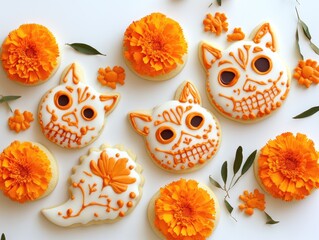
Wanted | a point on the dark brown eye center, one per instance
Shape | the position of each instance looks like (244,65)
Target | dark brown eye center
(227,77)
(63,100)
(167,134)
(262,64)
(196,121)
(88,113)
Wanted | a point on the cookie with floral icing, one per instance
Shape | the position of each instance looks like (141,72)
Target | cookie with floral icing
(106,186)
(154,47)
(180,134)
(72,114)
(28,171)
(247,81)
(184,209)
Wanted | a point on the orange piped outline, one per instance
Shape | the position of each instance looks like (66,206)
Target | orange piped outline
(234,81)
(56,100)
(160,138)
(189,119)
(214,51)
(254,67)
(262,31)
(143,117)
(87,107)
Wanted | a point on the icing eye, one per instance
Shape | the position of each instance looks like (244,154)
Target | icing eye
(165,134)
(228,77)
(262,64)
(63,100)
(195,120)
(88,113)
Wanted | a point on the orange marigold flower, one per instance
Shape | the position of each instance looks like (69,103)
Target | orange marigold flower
(288,166)
(30,54)
(184,211)
(20,122)
(251,201)
(25,171)
(114,172)
(109,77)
(154,45)
(237,35)
(215,24)
(307,72)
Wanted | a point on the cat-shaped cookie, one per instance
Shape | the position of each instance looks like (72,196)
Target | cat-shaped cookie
(72,114)
(180,134)
(248,80)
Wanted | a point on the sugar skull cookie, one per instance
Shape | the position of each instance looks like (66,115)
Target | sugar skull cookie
(180,135)
(248,80)
(72,114)
(105,187)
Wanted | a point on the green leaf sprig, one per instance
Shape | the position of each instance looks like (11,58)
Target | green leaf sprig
(306,32)
(307,113)
(3,237)
(235,178)
(6,99)
(219,2)
(85,49)
(270,220)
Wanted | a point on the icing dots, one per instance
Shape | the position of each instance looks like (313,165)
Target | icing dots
(248,80)
(105,186)
(180,134)
(72,114)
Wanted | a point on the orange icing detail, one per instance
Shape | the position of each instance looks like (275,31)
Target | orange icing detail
(132,195)
(113,98)
(120,203)
(159,132)
(71,118)
(221,62)
(288,166)
(242,60)
(90,118)
(253,66)
(172,116)
(217,54)
(257,49)
(70,89)
(92,188)
(25,171)
(109,77)
(215,24)
(75,76)
(252,200)
(262,31)
(307,72)
(30,54)
(59,213)
(114,173)
(237,35)
(96,215)
(63,94)
(143,117)
(121,214)
(233,81)
(154,45)
(190,117)
(20,122)
(189,89)
(184,211)
(83,96)
(129,204)
(87,173)
(130,167)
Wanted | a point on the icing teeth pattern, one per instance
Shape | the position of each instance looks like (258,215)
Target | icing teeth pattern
(180,135)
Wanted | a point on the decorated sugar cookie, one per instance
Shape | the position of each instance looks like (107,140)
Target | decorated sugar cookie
(248,80)
(72,114)
(180,134)
(105,187)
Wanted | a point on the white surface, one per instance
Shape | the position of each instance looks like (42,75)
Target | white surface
(102,24)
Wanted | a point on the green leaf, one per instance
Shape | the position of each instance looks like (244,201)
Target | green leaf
(248,162)
(305,29)
(298,46)
(8,98)
(307,113)
(219,2)
(238,159)
(314,48)
(85,49)
(214,182)
(228,206)
(224,172)
(3,237)
(270,220)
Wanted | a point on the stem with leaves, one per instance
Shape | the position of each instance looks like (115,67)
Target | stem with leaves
(3,237)
(218,1)
(6,99)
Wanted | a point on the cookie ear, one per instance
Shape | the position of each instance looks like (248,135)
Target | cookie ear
(139,122)
(208,55)
(266,37)
(71,74)
(109,101)
(189,94)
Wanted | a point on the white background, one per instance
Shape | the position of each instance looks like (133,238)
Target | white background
(102,24)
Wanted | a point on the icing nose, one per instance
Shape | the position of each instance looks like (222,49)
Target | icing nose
(251,85)
(70,118)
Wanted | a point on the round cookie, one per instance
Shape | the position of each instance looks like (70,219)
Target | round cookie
(180,135)
(184,209)
(287,167)
(247,81)
(154,47)
(106,186)
(72,114)
(28,171)
(30,54)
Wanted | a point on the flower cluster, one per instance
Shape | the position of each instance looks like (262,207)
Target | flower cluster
(20,122)
(109,77)
(251,201)
(215,24)
(307,72)
(237,35)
